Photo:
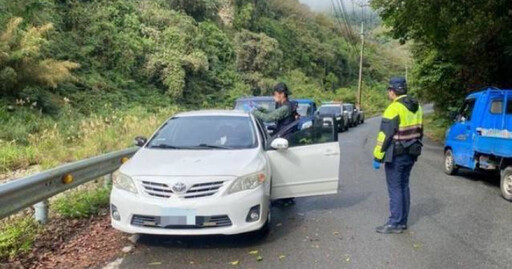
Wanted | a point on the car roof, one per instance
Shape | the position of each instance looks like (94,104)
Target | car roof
(331,104)
(304,100)
(256,98)
(233,113)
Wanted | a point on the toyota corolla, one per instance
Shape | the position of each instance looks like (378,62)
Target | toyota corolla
(215,172)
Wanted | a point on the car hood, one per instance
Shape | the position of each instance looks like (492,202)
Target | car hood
(166,162)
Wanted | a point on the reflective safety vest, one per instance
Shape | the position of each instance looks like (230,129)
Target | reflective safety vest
(402,122)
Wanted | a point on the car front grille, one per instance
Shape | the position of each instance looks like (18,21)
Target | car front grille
(157,189)
(203,189)
(201,222)
(162,190)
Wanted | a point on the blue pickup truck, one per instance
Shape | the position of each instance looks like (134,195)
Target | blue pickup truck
(481,137)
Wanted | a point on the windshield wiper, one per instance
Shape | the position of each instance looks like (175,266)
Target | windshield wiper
(208,146)
(164,146)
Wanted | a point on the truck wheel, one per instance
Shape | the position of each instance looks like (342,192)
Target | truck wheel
(450,168)
(506,183)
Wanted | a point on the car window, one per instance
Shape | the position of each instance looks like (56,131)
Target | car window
(323,110)
(467,110)
(243,105)
(206,132)
(509,106)
(496,106)
(304,109)
(316,134)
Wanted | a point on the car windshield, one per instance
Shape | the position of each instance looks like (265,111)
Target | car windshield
(268,105)
(329,110)
(205,132)
(304,109)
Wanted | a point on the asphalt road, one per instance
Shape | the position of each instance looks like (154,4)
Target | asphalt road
(455,222)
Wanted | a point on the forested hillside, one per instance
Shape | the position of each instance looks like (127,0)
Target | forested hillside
(458,46)
(81,77)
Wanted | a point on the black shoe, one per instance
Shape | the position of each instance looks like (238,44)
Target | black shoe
(403,226)
(389,229)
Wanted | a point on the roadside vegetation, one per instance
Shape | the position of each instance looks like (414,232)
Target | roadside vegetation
(458,47)
(81,78)
(435,127)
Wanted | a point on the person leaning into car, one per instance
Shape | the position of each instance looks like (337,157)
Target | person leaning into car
(283,115)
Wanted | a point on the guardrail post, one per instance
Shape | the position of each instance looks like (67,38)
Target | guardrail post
(41,212)
(107,180)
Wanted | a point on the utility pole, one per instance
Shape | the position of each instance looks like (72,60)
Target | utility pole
(361,57)
(359,90)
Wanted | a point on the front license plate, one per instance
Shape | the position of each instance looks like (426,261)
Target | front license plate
(177,216)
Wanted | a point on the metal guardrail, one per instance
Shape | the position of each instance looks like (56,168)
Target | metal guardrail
(27,191)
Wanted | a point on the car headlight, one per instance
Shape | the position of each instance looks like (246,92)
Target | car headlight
(247,182)
(123,182)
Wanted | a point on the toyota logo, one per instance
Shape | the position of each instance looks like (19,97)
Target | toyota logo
(179,187)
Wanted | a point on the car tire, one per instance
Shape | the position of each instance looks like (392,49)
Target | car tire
(450,168)
(506,183)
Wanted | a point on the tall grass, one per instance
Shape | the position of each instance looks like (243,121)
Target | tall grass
(49,142)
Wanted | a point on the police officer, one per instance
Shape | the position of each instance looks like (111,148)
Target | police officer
(398,146)
(283,115)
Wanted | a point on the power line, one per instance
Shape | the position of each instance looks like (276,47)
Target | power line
(341,24)
(342,8)
(345,13)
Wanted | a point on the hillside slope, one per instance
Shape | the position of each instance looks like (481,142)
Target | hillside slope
(102,71)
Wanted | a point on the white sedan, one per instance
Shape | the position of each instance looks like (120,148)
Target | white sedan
(215,172)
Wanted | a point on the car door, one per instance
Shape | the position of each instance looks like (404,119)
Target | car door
(310,164)
(461,135)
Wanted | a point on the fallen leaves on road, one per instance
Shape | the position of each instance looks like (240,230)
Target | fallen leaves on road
(154,263)
(234,263)
(259,258)
(282,257)
(254,252)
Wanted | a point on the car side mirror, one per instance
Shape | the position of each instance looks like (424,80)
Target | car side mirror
(140,141)
(279,144)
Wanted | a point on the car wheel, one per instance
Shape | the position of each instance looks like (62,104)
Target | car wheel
(506,183)
(450,168)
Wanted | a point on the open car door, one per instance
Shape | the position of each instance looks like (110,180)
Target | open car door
(309,165)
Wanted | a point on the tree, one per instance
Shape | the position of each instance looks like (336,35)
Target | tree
(460,46)
(22,62)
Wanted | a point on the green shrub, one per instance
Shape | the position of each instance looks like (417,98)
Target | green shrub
(17,236)
(81,203)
